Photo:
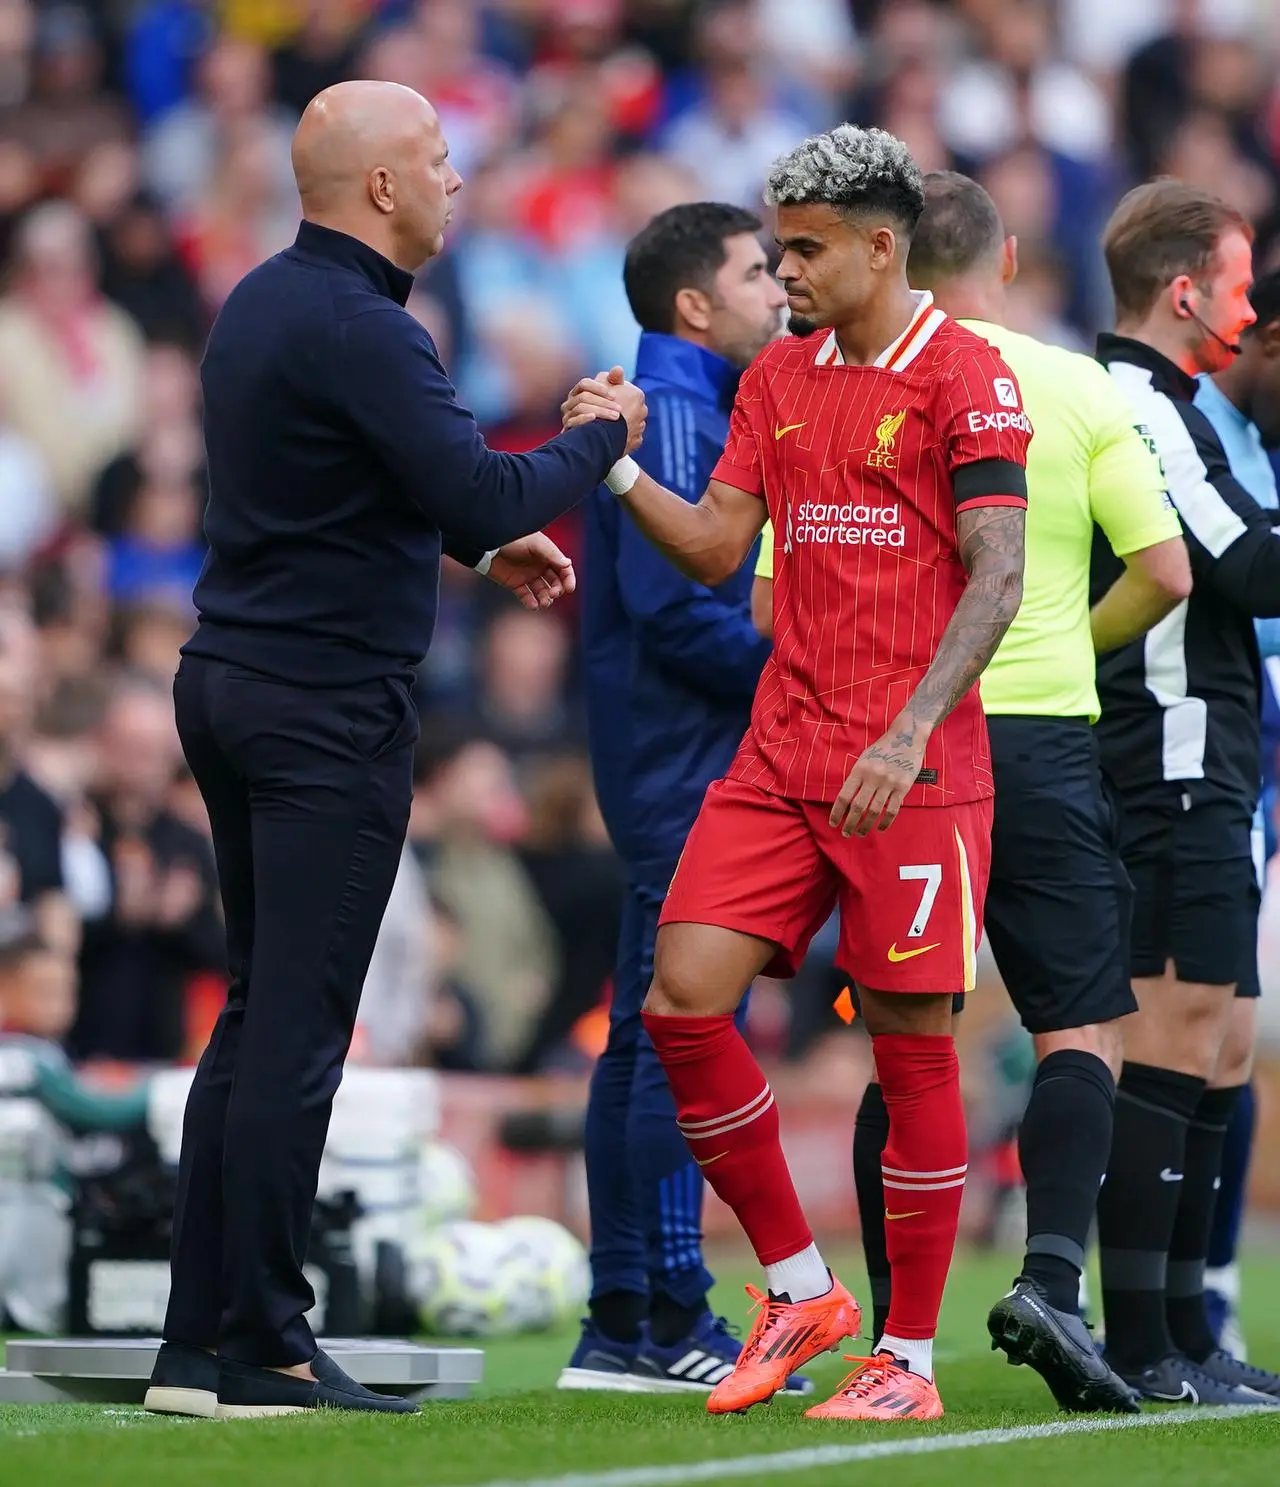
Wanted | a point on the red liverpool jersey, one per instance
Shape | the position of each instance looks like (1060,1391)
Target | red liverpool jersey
(861,468)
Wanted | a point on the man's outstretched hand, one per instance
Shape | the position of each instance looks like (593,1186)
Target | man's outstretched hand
(535,570)
(607,395)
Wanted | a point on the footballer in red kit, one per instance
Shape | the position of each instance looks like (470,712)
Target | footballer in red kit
(890,452)
(864,469)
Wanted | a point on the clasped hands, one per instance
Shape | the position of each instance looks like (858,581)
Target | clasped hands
(607,395)
(533,568)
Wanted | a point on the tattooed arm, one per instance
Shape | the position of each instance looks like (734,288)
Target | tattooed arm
(991,548)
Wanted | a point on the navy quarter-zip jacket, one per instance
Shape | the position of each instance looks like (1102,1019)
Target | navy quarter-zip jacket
(338,455)
(671,665)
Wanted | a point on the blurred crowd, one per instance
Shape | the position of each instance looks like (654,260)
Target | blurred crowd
(144,167)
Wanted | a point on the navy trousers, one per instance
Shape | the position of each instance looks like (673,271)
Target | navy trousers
(644,1189)
(308,793)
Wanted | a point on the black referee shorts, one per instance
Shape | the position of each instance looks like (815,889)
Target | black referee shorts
(1249,986)
(1058,903)
(1196,888)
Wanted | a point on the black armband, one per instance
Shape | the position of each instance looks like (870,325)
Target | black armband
(990,483)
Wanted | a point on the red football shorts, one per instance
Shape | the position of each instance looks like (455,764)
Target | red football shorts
(910,898)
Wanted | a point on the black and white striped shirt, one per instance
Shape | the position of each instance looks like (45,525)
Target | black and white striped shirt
(1182,704)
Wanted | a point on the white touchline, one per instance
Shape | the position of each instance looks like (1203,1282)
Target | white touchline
(813,1457)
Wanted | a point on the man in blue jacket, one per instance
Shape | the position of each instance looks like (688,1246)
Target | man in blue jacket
(671,669)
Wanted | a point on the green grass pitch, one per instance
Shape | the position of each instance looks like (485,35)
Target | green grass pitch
(520,1430)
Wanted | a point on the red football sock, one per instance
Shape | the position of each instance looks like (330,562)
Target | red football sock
(924,1167)
(725,1110)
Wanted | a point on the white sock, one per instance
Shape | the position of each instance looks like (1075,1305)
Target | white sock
(915,1352)
(1225,1279)
(802,1276)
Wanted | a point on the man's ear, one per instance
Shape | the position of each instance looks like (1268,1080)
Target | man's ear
(693,308)
(884,244)
(382,190)
(1009,260)
(1179,294)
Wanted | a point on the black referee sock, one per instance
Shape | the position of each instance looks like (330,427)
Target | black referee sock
(1064,1145)
(1201,1168)
(870,1137)
(1137,1207)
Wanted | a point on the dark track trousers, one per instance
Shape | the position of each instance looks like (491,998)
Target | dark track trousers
(308,793)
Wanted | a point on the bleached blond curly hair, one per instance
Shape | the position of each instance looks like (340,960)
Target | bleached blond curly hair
(851,169)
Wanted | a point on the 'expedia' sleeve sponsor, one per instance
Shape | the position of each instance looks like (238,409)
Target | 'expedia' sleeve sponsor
(986,432)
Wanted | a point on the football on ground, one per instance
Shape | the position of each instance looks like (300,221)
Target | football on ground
(495,1280)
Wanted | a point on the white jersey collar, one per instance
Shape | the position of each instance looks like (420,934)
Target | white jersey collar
(901,352)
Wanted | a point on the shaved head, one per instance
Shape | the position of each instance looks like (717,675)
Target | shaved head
(370,160)
(349,130)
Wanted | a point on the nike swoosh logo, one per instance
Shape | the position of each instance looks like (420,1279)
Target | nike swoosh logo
(1167,1176)
(896,955)
(709,1160)
(914,1214)
(1186,1392)
(790,429)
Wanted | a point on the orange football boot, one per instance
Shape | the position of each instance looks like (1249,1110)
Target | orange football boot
(783,1338)
(880,1388)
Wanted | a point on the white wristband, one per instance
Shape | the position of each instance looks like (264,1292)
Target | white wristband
(623,476)
(485,563)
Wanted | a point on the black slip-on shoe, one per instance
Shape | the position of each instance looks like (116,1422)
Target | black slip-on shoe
(184,1381)
(246,1392)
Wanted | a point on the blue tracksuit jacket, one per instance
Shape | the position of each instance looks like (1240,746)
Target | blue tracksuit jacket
(671,665)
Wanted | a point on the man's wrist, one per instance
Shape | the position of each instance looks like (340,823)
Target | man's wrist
(912,728)
(486,562)
(623,475)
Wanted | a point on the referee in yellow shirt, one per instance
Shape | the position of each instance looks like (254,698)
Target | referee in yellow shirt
(1057,908)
